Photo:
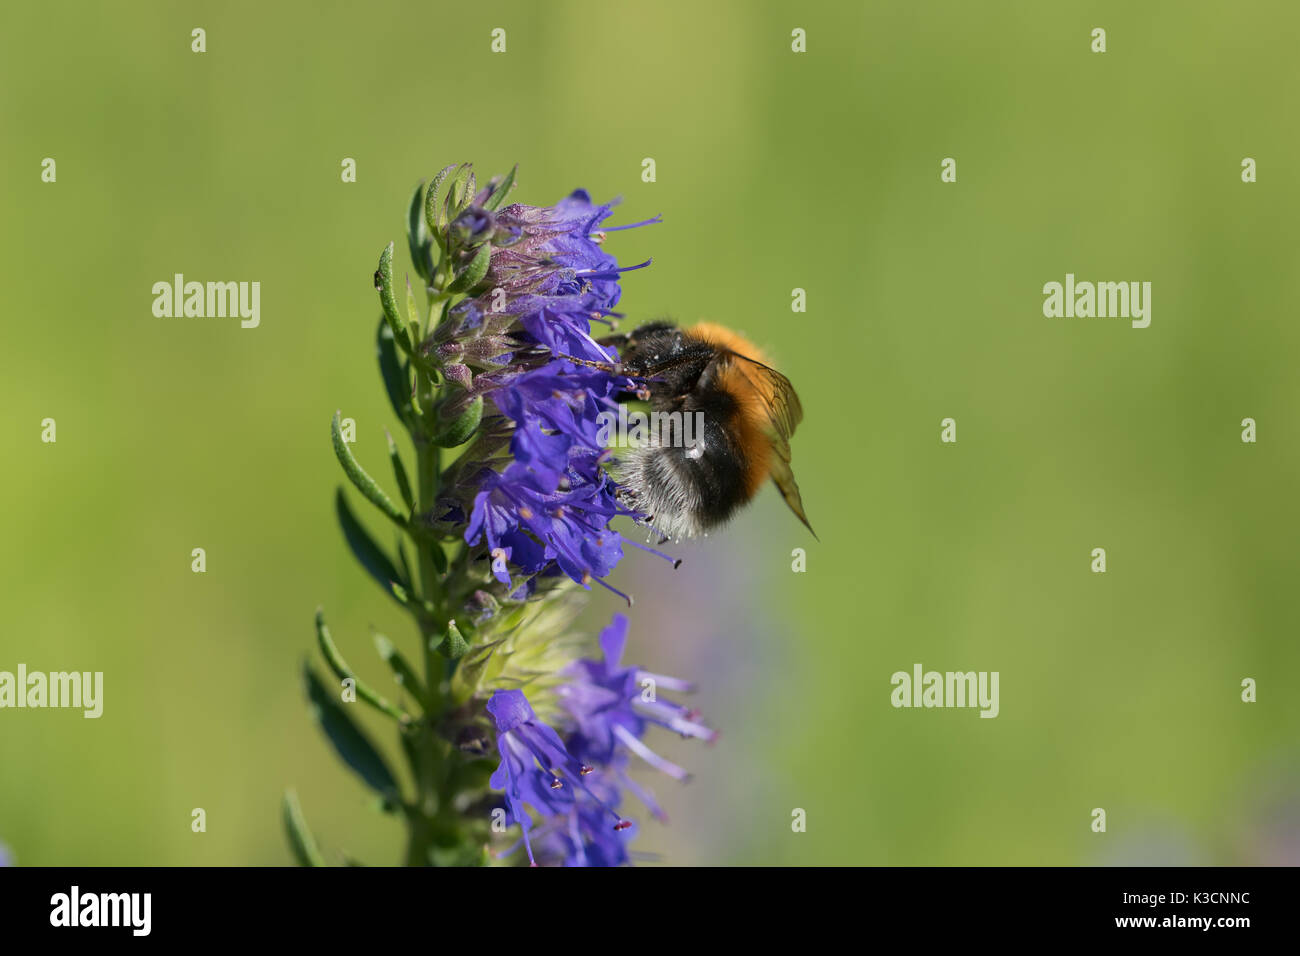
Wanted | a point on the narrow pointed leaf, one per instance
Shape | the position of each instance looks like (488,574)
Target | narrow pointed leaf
(417,235)
(341,669)
(448,205)
(348,740)
(403,673)
(364,548)
(399,472)
(388,299)
(412,313)
(473,273)
(433,205)
(461,191)
(397,378)
(364,483)
(405,562)
(301,842)
(411,739)
(498,196)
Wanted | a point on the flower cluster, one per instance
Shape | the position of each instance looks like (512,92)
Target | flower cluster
(551,506)
(548,278)
(544,510)
(547,511)
(499,364)
(575,784)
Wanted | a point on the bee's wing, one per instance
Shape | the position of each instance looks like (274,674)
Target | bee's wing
(784,413)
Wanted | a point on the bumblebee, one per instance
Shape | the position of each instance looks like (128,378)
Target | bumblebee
(747,412)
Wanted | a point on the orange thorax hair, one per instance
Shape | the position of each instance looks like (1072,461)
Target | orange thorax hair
(753,396)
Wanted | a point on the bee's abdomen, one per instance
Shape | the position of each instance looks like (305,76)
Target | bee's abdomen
(692,481)
(716,467)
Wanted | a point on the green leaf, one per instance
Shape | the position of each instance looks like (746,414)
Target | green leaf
(399,472)
(403,673)
(417,235)
(412,740)
(469,672)
(351,744)
(438,556)
(462,428)
(435,206)
(364,483)
(372,557)
(452,645)
(454,189)
(404,597)
(301,842)
(341,669)
(462,190)
(406,564)
(412,313)
(397,378)
(384,284)
(473,273)
(499,194)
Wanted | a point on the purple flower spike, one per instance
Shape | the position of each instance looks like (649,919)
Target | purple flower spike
(612,707)
(548,510)
(534,763)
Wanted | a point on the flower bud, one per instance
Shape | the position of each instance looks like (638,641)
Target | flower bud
(473,227)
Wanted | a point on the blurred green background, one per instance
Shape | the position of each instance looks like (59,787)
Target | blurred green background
(775,170)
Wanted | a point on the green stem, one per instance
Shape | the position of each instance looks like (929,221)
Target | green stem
(433,815)
(432,818)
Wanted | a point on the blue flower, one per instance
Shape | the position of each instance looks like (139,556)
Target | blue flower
(582,837)
(612,706)
(547,511)
(537,530)
(555,407)
(548,263)
(609,709)
(534,767)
